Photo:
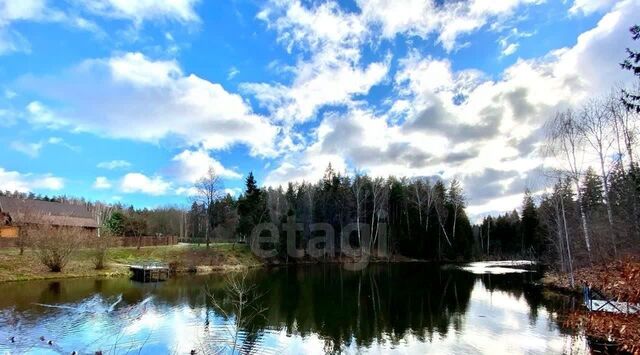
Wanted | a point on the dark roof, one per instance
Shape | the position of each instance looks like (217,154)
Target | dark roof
(56,213)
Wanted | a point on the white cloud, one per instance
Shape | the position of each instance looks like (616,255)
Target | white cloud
(509,43)
(233,192)
(104,95)
(193,165)
(102,183)
(30,149)
(33,149)
(16,181)
(187,191)
(12,41)
(587,7)
(12,11)
(48,182)
(140,183)
(233,71)
(508,48)
(308,166)
(315,28)
(74,15)
(21,10)
(114,164)
(333,38)
(448,20)
(464,124)
(316,86)
(143,10)
(40,115)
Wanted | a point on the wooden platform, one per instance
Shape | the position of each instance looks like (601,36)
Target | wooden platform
(595,301)
(149,272)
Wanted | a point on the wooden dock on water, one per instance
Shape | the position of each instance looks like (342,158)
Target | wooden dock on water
(149,272)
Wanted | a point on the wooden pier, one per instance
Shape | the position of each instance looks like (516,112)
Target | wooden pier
(149,272)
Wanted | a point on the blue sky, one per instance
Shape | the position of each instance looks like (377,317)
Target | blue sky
(132,101)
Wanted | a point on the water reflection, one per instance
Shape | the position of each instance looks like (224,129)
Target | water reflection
(410,308)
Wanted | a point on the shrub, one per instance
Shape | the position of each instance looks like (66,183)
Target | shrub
(100,246)
(54,245)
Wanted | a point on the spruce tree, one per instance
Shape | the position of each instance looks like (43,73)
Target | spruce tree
(592,191)
(631,99)
(252,207)
(530,224)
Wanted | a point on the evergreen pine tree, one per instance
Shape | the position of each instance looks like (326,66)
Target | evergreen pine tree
(631,99)
(530,224)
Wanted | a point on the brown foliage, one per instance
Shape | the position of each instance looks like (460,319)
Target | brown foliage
(623,329)
(619,279)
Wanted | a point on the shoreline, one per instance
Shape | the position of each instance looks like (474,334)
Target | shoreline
(182,259)
(617,280)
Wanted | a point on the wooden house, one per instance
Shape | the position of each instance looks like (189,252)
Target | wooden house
(15,212)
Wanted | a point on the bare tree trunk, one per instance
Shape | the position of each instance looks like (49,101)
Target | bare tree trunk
(206,233)
(566,235)
(488,236)
(607,201)
(583,217)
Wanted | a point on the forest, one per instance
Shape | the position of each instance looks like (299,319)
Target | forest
(587,211)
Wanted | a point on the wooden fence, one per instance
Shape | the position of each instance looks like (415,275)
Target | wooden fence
(145,241)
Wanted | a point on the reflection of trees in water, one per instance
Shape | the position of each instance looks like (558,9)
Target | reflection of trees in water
(390,301)
(528,286)
(382,303)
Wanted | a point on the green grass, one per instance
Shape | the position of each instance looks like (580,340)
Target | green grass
(219,257)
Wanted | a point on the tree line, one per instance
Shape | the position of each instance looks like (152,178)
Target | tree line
(591,212)
(420,217)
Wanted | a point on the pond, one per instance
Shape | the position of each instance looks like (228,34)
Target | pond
(413,308)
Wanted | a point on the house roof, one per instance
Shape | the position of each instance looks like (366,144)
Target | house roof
(56,213)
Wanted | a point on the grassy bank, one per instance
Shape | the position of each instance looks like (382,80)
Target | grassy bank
(183,258)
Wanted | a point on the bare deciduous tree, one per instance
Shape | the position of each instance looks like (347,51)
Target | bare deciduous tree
(240,305)
(380,197)
(360,194)
(596,128)
(567,143)
(101,213)
(457,200)
(208,191)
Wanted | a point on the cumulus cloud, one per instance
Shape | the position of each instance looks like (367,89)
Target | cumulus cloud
(102,183)
(316,86)
(332,38)
(191,165)
(140,183)
(187,191)
(26,182)
(464,124)
(448,20)
(134,97)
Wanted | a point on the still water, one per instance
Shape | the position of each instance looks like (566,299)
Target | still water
(317,309)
